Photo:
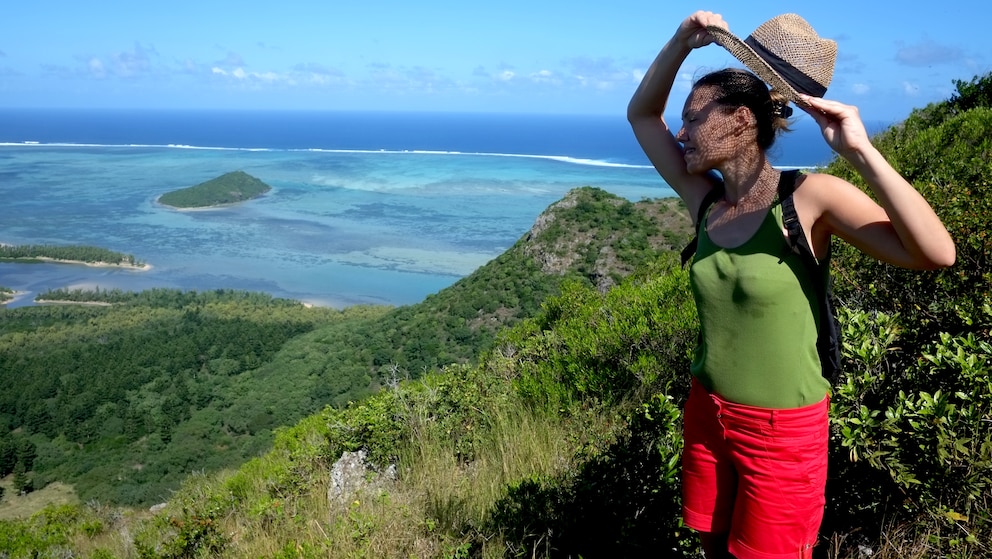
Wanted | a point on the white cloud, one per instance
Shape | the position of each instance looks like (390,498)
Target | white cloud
(910,88)
(240,74)
(130,64)
(506,75)
(232,60)
(313,69)
(860,88)
(133,62)
(544,76)
(684,81)
(598,73)
(928,53)
(96,68)
(320,78)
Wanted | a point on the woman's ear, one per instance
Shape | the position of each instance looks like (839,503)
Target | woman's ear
(743,120)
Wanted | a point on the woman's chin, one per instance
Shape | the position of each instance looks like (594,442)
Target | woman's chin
(695,169)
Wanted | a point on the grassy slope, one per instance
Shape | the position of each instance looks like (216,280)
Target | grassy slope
(341,358)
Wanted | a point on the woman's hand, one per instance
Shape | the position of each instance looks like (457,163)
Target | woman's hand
(901,229)
(693,31)
(840,124)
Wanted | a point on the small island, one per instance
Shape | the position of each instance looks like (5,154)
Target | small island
(229,188)
(71,254)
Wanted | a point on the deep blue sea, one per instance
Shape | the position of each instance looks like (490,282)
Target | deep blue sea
(381,208)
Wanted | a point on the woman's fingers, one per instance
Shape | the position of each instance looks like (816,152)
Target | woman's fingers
(841,124)
(696,24)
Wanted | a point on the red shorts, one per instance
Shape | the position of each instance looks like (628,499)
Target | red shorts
(756,474)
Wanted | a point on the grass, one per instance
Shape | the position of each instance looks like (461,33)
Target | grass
(437,507)
(14,506)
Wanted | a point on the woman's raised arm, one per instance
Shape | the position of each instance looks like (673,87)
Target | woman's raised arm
(646,109)
(909,234)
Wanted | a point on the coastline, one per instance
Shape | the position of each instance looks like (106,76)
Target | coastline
(196,208)
(158,202)
(84,303)
(14,297)
(142,268)
(18,295)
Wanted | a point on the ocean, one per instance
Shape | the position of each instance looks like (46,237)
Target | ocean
(365,208)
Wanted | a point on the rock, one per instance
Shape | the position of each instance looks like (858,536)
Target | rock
(351,475)
(347,476)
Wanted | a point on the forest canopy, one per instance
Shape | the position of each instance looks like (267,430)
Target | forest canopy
(229,188)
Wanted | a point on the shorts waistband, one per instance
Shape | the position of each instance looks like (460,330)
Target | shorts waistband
(746,412)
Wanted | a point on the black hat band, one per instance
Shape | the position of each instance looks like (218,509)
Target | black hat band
(795,77)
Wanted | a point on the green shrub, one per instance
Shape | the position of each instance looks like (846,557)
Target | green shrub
(622,501)
(625,344)
(46,533)
(191,526)
(913,444)
(949,161)
(912,417)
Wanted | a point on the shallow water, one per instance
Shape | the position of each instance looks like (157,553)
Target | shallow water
(341,226)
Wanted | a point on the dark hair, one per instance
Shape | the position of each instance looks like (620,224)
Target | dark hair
(740,88)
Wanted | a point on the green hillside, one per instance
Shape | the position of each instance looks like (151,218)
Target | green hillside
(161,383)
(229,188)
(559,433)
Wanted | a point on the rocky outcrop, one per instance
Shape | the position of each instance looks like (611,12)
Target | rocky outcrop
(352,474)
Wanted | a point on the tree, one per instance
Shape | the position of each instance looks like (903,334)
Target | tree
(22,482)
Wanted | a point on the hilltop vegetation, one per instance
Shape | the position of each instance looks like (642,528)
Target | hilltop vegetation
(561,437)
(229,188)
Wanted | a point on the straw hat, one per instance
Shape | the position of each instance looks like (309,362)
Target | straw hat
(786,53)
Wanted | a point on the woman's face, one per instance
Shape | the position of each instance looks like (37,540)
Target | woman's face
(707,134)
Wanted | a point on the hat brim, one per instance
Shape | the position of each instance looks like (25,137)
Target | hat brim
(755,63)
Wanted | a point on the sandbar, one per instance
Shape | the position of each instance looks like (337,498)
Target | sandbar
(142,268)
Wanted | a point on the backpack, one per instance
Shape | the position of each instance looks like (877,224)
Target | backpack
(828,342)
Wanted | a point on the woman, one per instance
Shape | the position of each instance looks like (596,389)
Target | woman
(756,428)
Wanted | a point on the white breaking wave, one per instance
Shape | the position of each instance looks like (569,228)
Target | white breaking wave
(560,158)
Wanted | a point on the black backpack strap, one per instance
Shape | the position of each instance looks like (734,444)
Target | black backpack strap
(828,341)
(794,229)
(711,197)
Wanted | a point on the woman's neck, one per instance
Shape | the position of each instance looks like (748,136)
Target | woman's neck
(747,178)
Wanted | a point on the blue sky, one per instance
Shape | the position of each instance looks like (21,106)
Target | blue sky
(509,56)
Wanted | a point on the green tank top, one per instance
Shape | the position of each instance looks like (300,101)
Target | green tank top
(758,318)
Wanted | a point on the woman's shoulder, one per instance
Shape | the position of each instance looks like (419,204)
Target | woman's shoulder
(824,203)
(824,189)
(817,179)
(835,206)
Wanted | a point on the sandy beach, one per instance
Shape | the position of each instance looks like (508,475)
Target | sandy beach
(14,297)
(142,268)
(84,303)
